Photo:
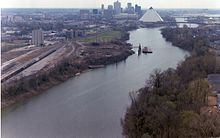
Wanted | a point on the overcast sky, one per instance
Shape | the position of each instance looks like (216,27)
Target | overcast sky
(97,3)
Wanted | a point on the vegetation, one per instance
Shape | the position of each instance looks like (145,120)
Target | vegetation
(63,70)
(187,38)
(35,82)
(170,104)
(103,37)
(8,46)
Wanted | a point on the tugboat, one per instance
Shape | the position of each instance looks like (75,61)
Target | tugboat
(146,50)
(139,50)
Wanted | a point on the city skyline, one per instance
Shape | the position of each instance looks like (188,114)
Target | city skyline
(214,4)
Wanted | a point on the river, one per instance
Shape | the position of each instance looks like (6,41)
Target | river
(92,104)
(185,22)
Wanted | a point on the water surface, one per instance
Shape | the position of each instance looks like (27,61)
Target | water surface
(92,104)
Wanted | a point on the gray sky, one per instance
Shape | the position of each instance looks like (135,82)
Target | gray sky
(97,3)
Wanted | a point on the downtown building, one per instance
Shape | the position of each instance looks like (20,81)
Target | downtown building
(37,37)
(130,9)
(117,7)
(108,13)
(138,10)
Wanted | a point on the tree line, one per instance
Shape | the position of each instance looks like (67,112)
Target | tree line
(63,69)
(170,103)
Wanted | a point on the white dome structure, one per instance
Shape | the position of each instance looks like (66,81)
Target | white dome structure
(151,16)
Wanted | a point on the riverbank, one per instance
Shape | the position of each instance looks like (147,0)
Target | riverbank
(172,101)
(86,56)
(95,98)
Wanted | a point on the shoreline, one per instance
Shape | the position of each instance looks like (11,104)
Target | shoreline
(11,101)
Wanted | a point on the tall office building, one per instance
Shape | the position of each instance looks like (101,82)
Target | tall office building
(110,8)
(109,12)
(130,9)
(117,7)
(138,9)
(37,37)
(129,5)
(102,7)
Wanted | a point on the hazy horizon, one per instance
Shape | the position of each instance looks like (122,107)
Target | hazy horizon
(160,4)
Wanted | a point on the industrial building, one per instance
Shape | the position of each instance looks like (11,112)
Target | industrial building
(37,37)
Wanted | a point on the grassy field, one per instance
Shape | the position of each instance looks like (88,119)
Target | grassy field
(103,37)
(9,46)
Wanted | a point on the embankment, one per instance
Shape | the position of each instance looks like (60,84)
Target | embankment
(106,53)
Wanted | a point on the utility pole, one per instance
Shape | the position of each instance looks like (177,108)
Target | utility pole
(96,30)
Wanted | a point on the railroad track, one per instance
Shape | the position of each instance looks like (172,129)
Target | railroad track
(20,68)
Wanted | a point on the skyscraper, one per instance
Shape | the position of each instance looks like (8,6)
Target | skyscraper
(129,5)
(102,7)
(109,12)
(110,7)
(117,7)
(130,9)
(37,37)
(138,9)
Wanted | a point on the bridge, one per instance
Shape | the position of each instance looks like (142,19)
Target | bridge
(187,22)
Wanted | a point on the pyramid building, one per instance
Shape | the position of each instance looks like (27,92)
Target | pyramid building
(151,16)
